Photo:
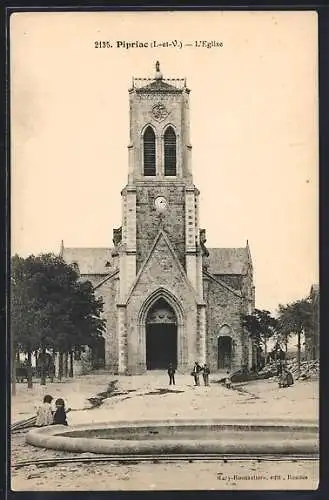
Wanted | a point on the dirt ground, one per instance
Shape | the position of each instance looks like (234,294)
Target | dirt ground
(140,399)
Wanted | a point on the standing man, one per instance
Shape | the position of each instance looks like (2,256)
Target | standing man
(205,374)
(171,373)
(195,373)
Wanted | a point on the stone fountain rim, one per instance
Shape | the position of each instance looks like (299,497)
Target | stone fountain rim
(53,437)
(53,430)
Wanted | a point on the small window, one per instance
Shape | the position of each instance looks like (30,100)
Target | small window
(170,151)
(149,151)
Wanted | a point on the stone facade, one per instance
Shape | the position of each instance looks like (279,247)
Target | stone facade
(147,223)
(167,298)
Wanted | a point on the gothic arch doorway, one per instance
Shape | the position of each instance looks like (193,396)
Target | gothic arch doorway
(224,348)
(161,336)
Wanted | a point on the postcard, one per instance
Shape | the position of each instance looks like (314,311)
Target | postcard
(164,250)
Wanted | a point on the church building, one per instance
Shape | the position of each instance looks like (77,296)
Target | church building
(167,297)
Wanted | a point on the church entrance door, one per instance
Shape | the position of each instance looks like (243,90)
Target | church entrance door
(161,336)
(224,353)
(161,342)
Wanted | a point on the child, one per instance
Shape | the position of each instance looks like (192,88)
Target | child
(44,412)
(228,382)
(60,413)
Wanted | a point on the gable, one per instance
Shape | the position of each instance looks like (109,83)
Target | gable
(162,268)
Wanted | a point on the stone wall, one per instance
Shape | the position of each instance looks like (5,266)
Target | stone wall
(233,280)
(223,308)
(162,273)
(148,220)
(108,291)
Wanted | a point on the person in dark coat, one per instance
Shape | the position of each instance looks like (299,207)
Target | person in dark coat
(286,379)
(205,374)
(290,378)
(60,413)
(196,373)
(171,373)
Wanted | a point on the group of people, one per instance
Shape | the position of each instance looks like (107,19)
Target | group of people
(197,370)
(285,377)
(46,415)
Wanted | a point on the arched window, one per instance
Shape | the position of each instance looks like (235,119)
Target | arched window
(170,152)
(149,151)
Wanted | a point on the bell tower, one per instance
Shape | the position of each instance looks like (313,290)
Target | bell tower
(160,193)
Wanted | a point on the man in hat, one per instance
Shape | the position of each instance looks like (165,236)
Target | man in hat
(171,373)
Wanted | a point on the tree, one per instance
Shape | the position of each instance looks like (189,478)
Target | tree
(261,326)
(52,308)
(24,312)
(81,324)
(296,318)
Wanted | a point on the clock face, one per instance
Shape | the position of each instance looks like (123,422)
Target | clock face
(161,204)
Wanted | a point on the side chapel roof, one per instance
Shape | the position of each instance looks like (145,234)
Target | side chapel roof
(90,260)
(228,260)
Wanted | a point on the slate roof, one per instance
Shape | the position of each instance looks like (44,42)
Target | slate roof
(220,260)
(228,260)
(90,260)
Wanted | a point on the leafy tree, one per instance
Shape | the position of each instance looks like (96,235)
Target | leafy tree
(261,326)
(25,317)
(52,308)
(81,323)
(296,318)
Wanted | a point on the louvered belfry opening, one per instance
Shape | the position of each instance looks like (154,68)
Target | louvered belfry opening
(170,151)
(149,152)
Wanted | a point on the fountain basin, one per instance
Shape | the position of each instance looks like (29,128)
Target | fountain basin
(234,437)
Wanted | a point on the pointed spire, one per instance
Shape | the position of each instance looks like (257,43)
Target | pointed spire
(249,254)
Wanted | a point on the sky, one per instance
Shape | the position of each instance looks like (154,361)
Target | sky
(254,131)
